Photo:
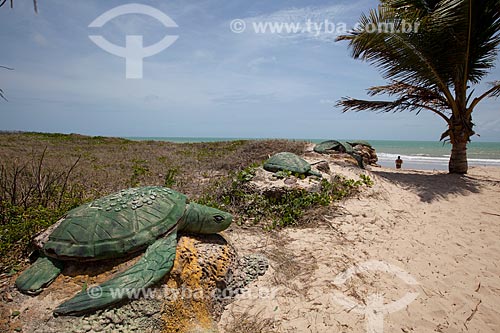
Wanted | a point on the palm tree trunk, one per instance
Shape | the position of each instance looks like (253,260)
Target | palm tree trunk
(458,160)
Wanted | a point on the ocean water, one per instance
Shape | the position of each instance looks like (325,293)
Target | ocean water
(427,155)
(434,155)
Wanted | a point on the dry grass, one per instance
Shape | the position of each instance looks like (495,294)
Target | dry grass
(246,322)
(287,265)
(110,164)
(105,165)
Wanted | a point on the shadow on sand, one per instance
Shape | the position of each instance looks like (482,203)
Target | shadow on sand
(430,187)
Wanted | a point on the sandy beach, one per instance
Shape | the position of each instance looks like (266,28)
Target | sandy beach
(424,237)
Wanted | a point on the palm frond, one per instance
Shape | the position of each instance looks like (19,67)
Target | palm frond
(445,135)
(399,56)
(457,41)
(2,95)
(414,94)
(494,91)
(405,103)
(351,104)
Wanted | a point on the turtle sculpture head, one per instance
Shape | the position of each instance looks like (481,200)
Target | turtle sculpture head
(203,219)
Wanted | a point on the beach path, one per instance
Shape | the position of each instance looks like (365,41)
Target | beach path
(442,230)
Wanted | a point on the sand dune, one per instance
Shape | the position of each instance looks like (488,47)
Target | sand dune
(442,230)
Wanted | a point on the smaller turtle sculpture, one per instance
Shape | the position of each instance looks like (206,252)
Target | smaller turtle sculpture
(329,146)
(112,227)
(289,162)
(334,146)
(360,142)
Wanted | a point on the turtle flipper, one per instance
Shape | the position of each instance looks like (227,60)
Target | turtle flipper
(314,173)
(154,264)
(43,271)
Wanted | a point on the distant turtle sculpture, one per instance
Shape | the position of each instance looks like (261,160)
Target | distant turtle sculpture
(332,146)
(329,146)
(112,227)
(360,142)
(289,162)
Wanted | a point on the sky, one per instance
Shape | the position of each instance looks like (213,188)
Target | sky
(210,82)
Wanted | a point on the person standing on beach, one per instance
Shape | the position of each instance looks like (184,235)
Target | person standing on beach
(399,162)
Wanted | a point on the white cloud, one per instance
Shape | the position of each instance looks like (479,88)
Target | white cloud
(243,98)
(322,24)
(305,13)
(204,55)
(151,98)
(328,101)
(257,62)
(40,39)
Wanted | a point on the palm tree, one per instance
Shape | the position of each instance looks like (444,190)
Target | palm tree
(432,52)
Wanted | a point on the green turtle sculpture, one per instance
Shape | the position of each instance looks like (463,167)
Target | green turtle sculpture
(112,227)
(332,146)
(360,142)
(289,162)
(326,147)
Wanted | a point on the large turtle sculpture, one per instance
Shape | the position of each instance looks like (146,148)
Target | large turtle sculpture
(112,227)
(289,162)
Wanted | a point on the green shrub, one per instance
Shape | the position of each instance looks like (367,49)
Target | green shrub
(18,226)
(367,180)
(281,208)
(247,174)
(282,174)
(139,170)
(169,178)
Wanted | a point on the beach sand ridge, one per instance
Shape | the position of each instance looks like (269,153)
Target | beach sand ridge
(441,229)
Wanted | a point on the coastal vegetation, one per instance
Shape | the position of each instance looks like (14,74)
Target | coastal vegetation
(434,67)
(278,207)
(43,175)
